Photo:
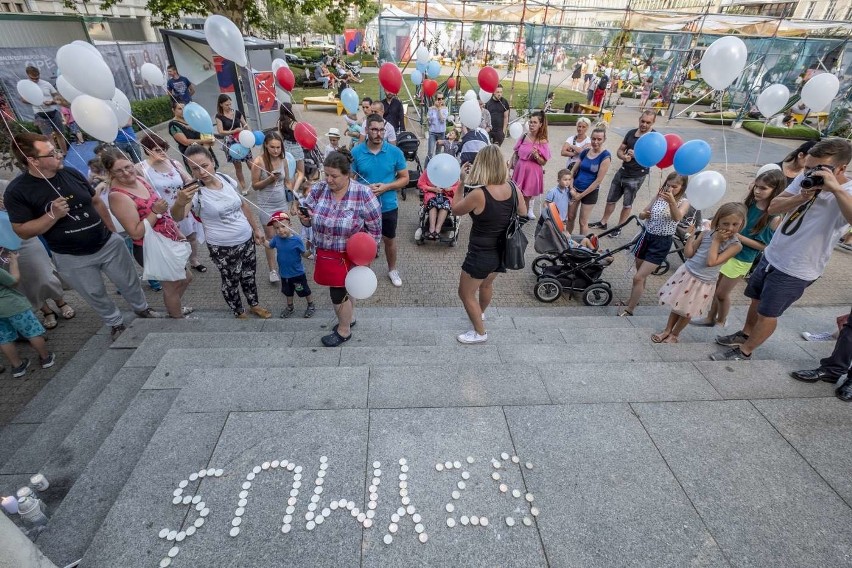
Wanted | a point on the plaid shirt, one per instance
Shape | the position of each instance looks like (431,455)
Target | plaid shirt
(334,221)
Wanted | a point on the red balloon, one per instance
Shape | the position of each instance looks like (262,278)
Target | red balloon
(451,83)
(430,87)
(286,79)
(390,77)
(305,135)
(361,249)
(488,79)
(673,142)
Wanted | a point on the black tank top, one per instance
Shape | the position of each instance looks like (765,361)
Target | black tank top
(489,227)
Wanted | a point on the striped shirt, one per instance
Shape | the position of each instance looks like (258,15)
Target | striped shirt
(335,221)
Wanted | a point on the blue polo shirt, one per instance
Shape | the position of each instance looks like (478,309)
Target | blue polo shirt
(380,167)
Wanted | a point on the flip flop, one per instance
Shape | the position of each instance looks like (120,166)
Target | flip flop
(671,339)
(660,337)
(50,321)
(199,268)
(67,311)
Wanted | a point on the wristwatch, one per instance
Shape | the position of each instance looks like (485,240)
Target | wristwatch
(159,215)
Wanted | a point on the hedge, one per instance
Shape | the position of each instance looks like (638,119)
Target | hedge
(797,132)
(151,112)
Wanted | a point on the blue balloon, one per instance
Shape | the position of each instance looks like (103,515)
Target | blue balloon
(291,165)
(349,98)
(416,77)
(692,157)
(650,149)
(433,69)
(9,240)
(421,67)
(238,151)
(259,137)
(198,118)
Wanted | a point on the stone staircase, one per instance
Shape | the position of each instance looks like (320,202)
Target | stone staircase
(633,454)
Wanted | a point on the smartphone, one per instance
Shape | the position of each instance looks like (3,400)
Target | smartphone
(304,211)
(194,182)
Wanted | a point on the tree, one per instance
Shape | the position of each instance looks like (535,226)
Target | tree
(367,13)
(286,22)
(476,32)
(321,25)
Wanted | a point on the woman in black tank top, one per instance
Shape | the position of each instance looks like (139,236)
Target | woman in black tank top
(490,199)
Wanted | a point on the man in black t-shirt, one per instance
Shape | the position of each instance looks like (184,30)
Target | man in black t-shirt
(60,205)
(629,177)
(393,112)
(498,108)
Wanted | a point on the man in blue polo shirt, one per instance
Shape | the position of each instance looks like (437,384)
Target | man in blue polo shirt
(382,166)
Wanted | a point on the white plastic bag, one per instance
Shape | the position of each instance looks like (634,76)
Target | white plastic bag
(164,258)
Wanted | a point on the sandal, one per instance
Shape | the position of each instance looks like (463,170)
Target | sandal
(199,268)
(671,339)
(67,311)
(660,337)
(50,321)
(625,313)
(186,310)
(334,339)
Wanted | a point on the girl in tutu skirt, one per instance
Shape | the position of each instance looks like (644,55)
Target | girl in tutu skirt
(689,292)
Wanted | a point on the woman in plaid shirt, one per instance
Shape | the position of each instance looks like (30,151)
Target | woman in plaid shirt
(337,208)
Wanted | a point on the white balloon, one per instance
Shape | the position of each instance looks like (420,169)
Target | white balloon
(153,74)
(443,170)
(470,95)
(120,105)
(516,130)
(705,189)
(767,168)
(30,92)
(278,63)
(470,114)
(361,282)
(95,117)
(225,39)
(66,89)
(246,138)
(820,90)
(87,72)
(89,46)
(772,99)
(723,62)
(422,54)
(484,95)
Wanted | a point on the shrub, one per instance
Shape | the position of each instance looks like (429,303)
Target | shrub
(7,160)
(151,112)
(797,132)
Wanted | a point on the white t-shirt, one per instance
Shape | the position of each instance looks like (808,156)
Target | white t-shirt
(48,91)
(574,142)
(390,133)
(805,253)
(221,214)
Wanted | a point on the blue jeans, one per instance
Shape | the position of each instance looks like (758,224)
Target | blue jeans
(433,139)
(131,150)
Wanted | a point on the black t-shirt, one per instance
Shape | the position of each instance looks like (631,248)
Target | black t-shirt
(80,232)
(603,83)
(633,169)
(496,109)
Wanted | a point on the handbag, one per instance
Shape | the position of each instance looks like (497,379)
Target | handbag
(164,258)
(331,267)
(516,240)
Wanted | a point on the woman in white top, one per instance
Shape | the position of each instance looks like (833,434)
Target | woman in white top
(575,144)
(167,177)
(269,177)
(229,227)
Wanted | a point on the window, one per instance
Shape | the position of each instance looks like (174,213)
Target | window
(810,11)
(19,7)
(830,11)
(848,14)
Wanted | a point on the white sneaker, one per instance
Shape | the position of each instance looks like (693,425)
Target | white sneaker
(394,278)
(273,277)
(823,336)
(471,337)
(530,214)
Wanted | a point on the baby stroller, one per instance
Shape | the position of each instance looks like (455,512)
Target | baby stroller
(566,265)
(410,144)
(692,217)
(448,232)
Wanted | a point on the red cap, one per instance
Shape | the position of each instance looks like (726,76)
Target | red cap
(277,217)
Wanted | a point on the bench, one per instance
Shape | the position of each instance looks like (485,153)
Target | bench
(309,79)
(590,109)
(324,101)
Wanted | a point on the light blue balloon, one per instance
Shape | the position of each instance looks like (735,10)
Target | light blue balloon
(9,240)
(238,151)
(198,118)
(259,137)
(291,165)
(692,157)
(433,69)
(421,67)
(443,170)
(650,149)
(349,98)
(416,77)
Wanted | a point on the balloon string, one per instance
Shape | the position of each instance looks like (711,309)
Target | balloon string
(722,126)
(760,146)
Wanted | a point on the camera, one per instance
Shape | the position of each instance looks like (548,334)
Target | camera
(811,181)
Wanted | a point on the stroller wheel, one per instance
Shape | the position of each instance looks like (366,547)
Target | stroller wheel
(547,290)
(541,262)
(597,295)
(662,269)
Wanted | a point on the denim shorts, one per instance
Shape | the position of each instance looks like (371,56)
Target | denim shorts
(25,324)
(653,248)
(775,290)
(626,187)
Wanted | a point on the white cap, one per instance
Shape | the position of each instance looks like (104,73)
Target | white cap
(333,132)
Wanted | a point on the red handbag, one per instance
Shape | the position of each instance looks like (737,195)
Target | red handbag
(331,267)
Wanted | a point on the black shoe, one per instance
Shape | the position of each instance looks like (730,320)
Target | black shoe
(351,325)
(737,338)
(116,331)
(21,369)
(616,233)
(732,354)
(844,391)
(597,225)
(334,339)
(813,375)
(288,311)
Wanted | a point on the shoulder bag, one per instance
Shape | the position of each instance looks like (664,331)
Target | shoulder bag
(516,240)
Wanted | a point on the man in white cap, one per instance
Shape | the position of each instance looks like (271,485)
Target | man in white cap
(333,136)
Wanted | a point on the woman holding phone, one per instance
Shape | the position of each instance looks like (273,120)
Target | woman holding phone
(269,177)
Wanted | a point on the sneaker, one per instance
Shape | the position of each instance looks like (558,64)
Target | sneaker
(48,361)
(597,225)
(21,369)
(616,233)
(732,354)
(471,337)
(260,312)
(287,312)
(155,286)
(846,247)
(116,331)
(822,336)
(274,277)
(732,340)
(394,278)
(310,310)
(530,214)
(148,313)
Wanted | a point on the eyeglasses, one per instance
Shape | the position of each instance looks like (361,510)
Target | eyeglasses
(56,152)
(124,170)
(376,130)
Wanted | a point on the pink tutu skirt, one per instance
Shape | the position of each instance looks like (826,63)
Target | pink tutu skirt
(686,295)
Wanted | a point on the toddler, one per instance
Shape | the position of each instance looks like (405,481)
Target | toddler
(353,128)
(73,127)
(451,144)
(561,194)
(289,250)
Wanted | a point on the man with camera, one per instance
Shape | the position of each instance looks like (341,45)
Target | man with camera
(817,207)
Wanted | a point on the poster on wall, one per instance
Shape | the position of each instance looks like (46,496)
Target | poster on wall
(264,87)
(226,74)
(352,40)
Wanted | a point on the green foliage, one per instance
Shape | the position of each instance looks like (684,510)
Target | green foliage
(322,25)
(151,112)
(367,12)
(7,160)
(797,132)
(475,32)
